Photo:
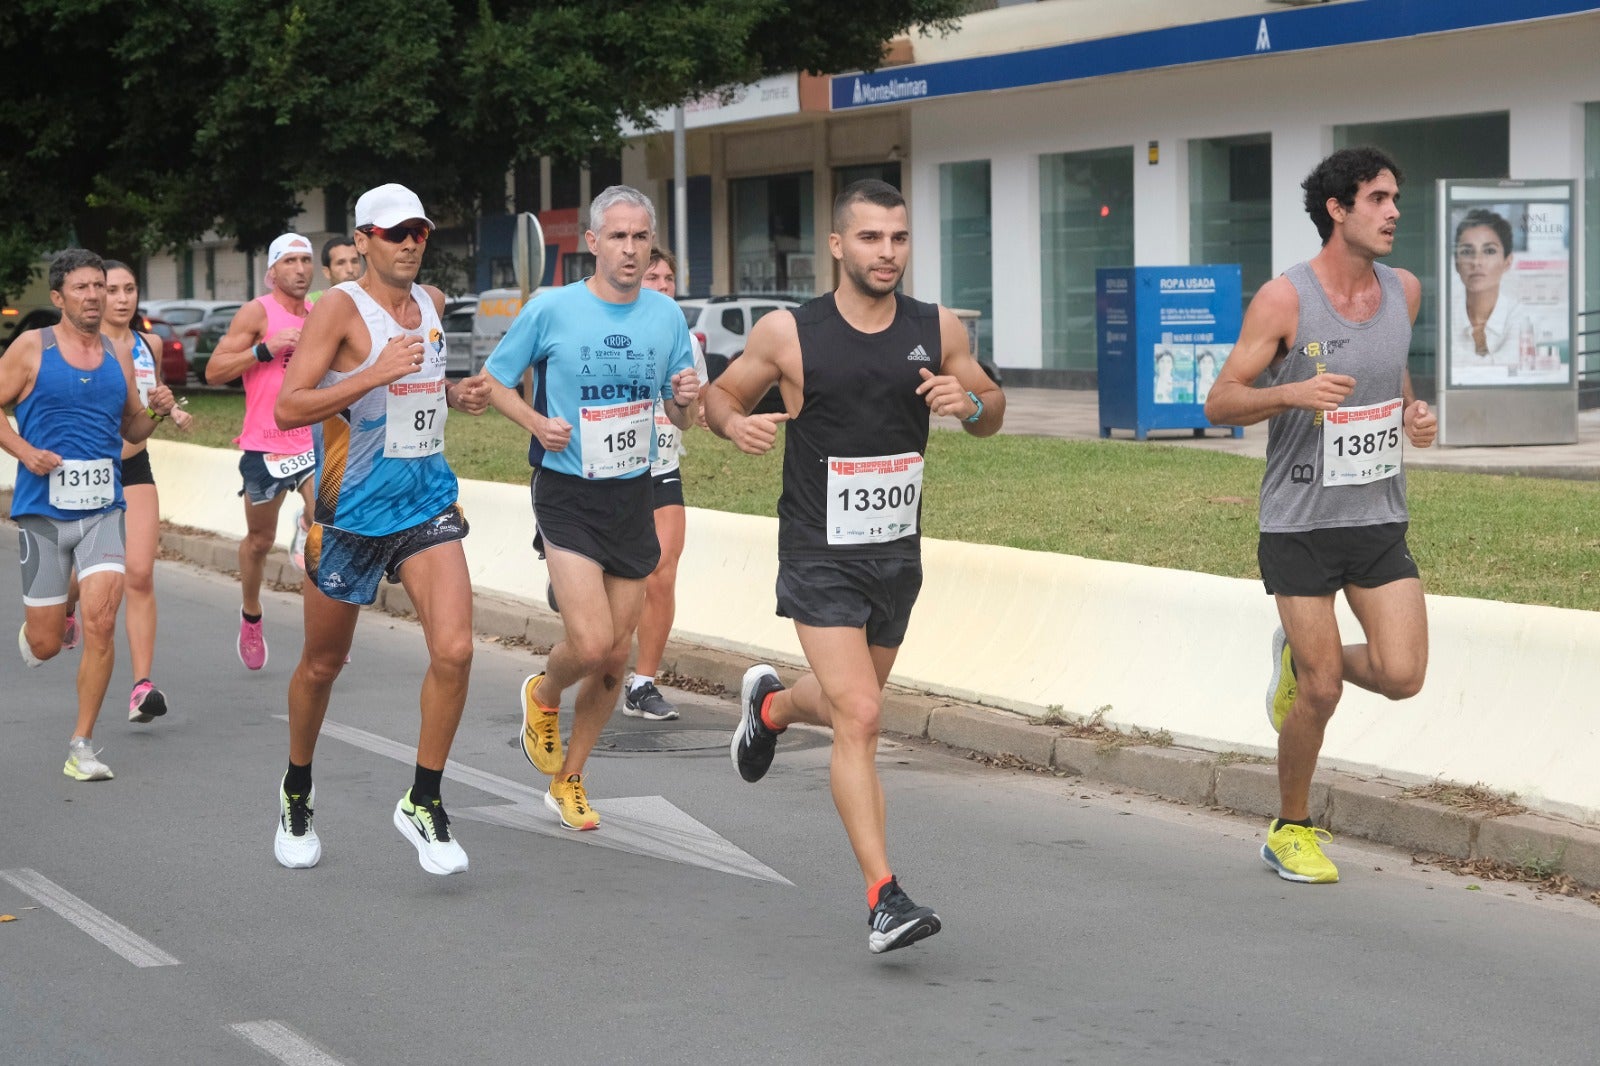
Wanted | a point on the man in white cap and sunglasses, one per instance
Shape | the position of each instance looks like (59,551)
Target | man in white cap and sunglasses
(369,376)
(258,346)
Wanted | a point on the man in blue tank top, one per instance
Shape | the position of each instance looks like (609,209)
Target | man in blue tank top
(1331,337)
(602,350)
(860,371)
(75,405)
(368,374)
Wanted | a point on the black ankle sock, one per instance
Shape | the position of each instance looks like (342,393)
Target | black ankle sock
(1305,822)
(297,782)
(425,785)
(251,618)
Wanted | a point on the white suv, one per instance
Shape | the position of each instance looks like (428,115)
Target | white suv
(722,323)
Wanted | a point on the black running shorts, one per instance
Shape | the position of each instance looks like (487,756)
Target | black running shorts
(1320,562)
(667,489)
(874,594)
(136,470)
(610,521)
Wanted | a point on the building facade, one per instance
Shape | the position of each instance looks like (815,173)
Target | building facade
(1043,141)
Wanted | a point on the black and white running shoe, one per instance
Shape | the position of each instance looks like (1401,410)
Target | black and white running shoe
(753,743)
(896,922)
(646,701)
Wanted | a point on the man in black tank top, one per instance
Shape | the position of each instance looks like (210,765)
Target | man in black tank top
(860,370)
(1331,338)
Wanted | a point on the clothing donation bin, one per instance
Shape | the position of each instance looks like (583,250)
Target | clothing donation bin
(1164,333)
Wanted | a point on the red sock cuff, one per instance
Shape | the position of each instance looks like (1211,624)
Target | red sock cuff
(875,888)
(766,713)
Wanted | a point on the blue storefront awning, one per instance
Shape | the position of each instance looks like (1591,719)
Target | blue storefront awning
(1294,30)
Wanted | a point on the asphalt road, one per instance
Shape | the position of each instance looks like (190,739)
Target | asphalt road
(724,923)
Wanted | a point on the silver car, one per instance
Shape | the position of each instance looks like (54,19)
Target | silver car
(457,324)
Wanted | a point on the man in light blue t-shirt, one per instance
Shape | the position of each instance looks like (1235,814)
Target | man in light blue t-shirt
(601,351)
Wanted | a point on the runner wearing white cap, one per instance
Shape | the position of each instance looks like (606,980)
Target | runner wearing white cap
(259,344)
(370,377)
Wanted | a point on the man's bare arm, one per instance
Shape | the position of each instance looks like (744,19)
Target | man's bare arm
(235,352)
(959,374)
(1269,325)
(772,357)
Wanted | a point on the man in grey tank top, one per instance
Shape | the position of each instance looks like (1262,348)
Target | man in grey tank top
(1328,340)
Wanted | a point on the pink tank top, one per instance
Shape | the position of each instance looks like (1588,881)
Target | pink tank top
(262,383)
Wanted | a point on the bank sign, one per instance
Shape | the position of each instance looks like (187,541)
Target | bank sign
(1297,30)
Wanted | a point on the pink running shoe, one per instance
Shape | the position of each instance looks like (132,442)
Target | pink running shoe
(252,644)
(69,632)
(146,702)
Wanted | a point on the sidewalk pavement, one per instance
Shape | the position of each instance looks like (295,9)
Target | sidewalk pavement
(1075,415)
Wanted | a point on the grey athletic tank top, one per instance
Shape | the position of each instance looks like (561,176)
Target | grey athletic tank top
(1315,464)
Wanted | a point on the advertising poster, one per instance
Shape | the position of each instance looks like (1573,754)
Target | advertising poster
(1508,282)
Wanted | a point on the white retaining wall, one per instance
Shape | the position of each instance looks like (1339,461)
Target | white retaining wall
(1510,701)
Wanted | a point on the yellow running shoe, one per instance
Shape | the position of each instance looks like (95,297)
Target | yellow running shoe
(541,735)
(1295,854)
(571,804)
(1281,689)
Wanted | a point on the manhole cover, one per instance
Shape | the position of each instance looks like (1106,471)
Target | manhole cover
(664,740)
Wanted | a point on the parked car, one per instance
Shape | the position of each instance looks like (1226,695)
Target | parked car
(174,364)
(188,318)
(457,322)
(174,359)
(212,328)
(35,319)
(722,323)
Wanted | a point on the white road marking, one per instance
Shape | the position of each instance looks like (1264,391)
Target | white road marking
(643,825)
(102,927)
(284,1044)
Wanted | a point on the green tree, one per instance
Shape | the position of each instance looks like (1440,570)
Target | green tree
(139,125)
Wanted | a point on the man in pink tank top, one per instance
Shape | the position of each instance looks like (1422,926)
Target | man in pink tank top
(258,346)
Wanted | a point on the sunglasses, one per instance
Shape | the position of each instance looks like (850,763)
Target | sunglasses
(398,234)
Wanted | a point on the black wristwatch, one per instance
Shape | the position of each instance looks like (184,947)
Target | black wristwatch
(263,353)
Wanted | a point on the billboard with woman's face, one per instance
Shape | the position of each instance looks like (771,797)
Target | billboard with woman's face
(1508,307)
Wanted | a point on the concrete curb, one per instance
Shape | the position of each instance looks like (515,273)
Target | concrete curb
(1372,809)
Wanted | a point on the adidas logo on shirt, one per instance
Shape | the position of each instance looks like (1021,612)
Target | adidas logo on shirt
(919,354)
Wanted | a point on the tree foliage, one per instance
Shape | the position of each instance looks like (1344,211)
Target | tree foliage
(139,125)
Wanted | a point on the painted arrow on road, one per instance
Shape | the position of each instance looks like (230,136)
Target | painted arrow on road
(644,825)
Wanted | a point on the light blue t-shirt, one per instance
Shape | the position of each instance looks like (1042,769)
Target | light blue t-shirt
(600,366)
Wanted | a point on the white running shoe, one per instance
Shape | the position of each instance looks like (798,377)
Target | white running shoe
(427,826)
(296,845)
(83,762)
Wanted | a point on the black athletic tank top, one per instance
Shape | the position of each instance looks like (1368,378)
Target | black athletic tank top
(860,402)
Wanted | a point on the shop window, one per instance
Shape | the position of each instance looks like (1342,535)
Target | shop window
(566,181)
(844,177)
(1230,206)
(1086,222)
(966,249)
(1589,324)
(1450,146)
(772,224)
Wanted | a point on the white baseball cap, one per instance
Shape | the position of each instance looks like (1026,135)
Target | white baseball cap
(286,244)
(389,205)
